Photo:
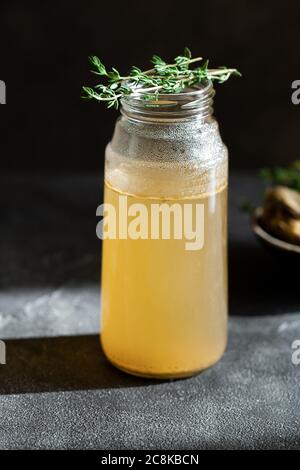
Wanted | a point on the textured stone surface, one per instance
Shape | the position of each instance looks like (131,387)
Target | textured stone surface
(58,391)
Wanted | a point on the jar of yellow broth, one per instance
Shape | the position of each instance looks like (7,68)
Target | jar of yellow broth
(164,265)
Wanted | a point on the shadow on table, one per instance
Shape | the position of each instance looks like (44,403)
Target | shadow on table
(60,364)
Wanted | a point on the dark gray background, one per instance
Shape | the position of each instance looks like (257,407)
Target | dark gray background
(44,46)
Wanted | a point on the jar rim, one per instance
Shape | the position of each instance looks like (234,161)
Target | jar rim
(196,100)
(197,90)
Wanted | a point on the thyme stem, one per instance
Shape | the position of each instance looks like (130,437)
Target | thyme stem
(162,77)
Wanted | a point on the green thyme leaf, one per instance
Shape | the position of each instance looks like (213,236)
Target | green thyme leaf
(162,78)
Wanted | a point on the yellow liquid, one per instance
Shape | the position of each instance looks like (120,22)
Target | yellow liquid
(164,308)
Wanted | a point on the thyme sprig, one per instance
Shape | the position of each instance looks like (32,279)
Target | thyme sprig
(161,78)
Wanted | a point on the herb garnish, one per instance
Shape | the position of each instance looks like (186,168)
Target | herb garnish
(162,78)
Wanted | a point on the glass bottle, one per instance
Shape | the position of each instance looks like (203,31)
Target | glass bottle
(164,305)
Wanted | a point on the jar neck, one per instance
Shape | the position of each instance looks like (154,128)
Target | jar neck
(192,104)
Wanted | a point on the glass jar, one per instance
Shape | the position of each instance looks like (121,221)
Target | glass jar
(164,297)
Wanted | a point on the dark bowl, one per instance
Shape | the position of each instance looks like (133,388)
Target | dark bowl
(274,245)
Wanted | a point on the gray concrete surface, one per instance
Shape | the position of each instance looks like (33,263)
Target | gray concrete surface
(58,391)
